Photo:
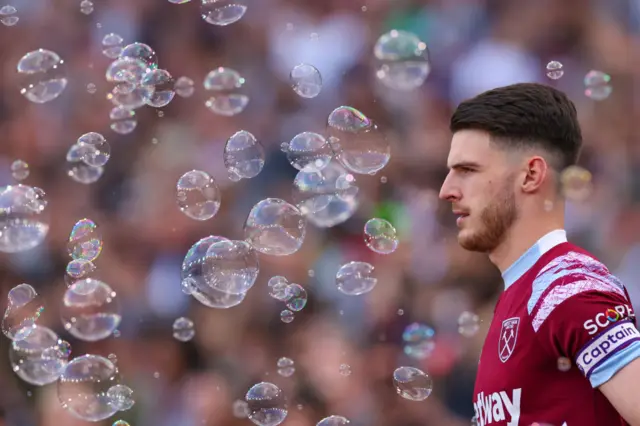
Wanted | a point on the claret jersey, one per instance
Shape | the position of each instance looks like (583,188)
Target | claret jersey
(563,326)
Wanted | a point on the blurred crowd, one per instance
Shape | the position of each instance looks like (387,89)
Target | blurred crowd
(474,45)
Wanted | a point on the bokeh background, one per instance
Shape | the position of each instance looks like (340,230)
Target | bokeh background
(474,45)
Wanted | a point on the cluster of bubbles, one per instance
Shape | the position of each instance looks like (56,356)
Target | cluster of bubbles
(216,271)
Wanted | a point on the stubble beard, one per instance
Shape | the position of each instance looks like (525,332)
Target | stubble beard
(495,221)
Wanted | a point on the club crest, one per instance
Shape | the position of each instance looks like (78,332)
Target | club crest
(508,336)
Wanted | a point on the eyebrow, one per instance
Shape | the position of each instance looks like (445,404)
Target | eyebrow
(465,165)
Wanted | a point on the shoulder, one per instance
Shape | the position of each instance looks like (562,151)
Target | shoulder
(576,280)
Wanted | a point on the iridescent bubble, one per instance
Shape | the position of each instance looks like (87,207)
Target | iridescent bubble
(345,370)
(296,297)
(78,269)
(91,88)
(160,83)
(597,85)
(183,329)
(576,182)
(85,240)
(38,359)
(142,52)
(43,74)
(278,288)
(225,85)
(240,409)
(222,12)
(286,316)
(412,383)
(418,340)
(327,197)
(308,151)
(112,45)
(22,218)
(126,70)
(19,170)
(231,266)
(83,387)
(198,195)
(333,421)
(123,120)
(243,156)
(286,367)
(357,142)
(86,7)
(90,310)
(78,170)
(121,397)
(97,150)
(8,16)
(24,307)
(194,280)
(468,324)
(554,70)
(306,81)
(266,404)
(120,423)
(356,278)
(380,236)
(403,60)
(275,227)
(184,87)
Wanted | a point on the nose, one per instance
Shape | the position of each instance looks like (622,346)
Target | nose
(448,191)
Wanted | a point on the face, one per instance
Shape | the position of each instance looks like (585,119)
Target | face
(481,188)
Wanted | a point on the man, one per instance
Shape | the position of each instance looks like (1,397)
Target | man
(562,348)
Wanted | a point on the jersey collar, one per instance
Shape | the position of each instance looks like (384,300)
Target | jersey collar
(531,256)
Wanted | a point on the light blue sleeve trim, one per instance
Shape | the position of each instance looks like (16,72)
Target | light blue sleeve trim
(602,373)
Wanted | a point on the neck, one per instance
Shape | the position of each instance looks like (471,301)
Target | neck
(521,236)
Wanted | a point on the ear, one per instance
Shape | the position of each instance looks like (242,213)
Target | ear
(535,174)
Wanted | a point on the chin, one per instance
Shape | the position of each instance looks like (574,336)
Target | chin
(473,242)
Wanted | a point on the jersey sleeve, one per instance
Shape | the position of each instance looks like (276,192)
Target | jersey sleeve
(590,322)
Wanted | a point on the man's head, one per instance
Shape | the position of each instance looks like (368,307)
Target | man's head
(509,145)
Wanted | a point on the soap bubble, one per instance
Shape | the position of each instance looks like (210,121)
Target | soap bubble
(357,142)
(123,120)
(224,85)
(160,83)
(83,387)
(121,397)
(86,7)
(412,383)
(278,288)
(85,240)
(380,236)
(198,195)
(19,170)
(333,421)
(22,218)
(44,76)
(266,404)
(78,169)
(296,298)
(327,197)
(554,70)
(576,182)
(112,45)
(142,52)
(184,87)
(222,12)
(597,85)
(231,266)
(286,367)
(96,149)
(40,357)
(195,282)
(90,310)
(306,80)
(286,316)
(308,151)
(8,16)
(240,409)
(78,269)
(243,156)
(275,227)
(468,324)
(418,340)
(183,329)
(23,310)
(403,60)
(355,278)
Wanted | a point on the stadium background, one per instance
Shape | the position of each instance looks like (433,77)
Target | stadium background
(474,45)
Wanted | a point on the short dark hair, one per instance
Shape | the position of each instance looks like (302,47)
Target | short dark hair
(525,115)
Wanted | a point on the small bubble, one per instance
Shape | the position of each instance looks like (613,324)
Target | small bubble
(363,8)
(8,16)
(156,375)
(91,88)
(383,179)
(116,333)
(154,141)
(19,170)
(286,316)
(286,367)
(113,358)
(160,114)
(400,312)
(564,364)
(554,70)
(86,7)
(345,370)
(314,36)
(468,324)
(183,329)
(311,273)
